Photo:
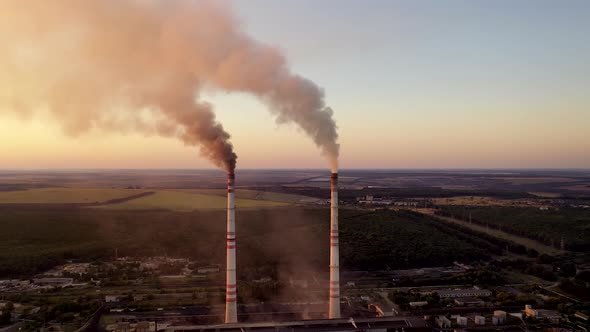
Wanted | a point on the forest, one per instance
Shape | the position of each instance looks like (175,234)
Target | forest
(289,240)
(565,227)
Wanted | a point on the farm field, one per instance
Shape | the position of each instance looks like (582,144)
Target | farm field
(65,195)
(186,201)
(172,199)
(253,195)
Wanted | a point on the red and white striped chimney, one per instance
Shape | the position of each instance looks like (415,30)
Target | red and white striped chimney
(334,309)
(231,310)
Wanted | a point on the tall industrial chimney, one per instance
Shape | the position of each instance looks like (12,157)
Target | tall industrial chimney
(334,310)
(231,311)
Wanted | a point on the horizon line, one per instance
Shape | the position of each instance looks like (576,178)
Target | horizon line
(307,169)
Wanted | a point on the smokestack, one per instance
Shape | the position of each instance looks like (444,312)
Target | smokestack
(231,311)
(334,310)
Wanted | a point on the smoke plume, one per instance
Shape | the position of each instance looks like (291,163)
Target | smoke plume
(139,65)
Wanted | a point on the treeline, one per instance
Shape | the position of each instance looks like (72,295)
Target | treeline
(429,192)
(380,240)
(413,192)
(567,228)
(482,276)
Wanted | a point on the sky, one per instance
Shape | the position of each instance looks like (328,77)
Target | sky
(413,84)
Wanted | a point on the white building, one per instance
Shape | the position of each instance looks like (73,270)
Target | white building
(418,304)
(462,321)
(111,298)
(480,320)
(442,322)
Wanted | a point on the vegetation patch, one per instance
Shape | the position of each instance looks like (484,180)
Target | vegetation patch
(186,201)
(65,195)
(564,228)
(272,241)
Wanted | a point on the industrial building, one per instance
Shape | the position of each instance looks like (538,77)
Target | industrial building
(111,298)
(462,321)
(480,320)
(499,317)
(542,314)
(208,269)
(469,302)
(442,322)
(386,324)
(470,292)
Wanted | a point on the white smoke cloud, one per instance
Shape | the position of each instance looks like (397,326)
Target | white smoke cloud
(105,63)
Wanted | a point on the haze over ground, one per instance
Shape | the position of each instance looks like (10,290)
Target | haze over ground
(466,84)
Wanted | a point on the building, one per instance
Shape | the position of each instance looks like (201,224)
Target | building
(142,327)
(470,292)
(384,324)
(542,314)
(111,298)
(497,320)
(418,304)
(442,322)
(462,321)
(123,327)
(375,202)
(404,203)
(480,320)
(499,317)
(469,302)
(208,269)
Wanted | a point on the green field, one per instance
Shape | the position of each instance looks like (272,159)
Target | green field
(171,199)
(253,194)
(186,201)
(65,195)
